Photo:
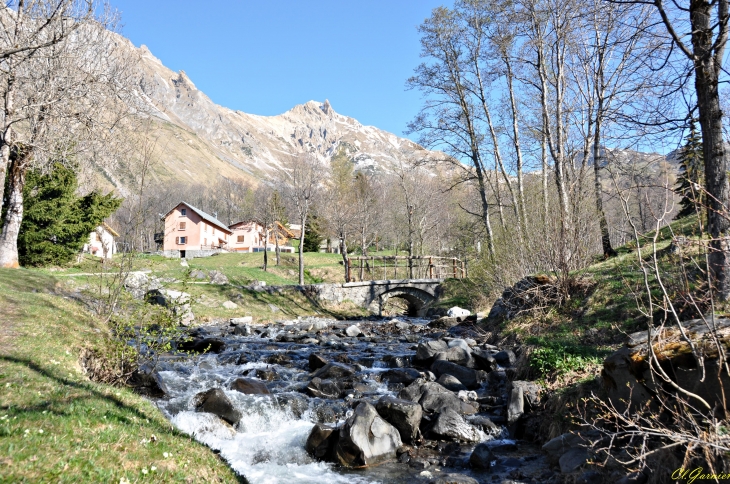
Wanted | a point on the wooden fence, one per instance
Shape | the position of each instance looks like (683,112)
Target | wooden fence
(371,268)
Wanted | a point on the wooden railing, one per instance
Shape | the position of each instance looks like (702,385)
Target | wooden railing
(371,268)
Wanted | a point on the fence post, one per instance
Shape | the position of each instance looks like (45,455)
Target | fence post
(395,267)
(430,267)
(454,262)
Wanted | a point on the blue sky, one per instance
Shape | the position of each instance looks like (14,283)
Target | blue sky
(264,57)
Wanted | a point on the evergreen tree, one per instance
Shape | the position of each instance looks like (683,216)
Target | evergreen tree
(313,236)
(691,174)
(57,222)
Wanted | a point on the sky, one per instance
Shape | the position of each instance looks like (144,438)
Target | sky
(266,56)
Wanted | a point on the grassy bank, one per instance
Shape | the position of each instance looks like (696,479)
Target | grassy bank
(56,425)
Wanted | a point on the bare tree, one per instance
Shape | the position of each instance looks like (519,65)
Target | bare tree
(300,187)
(64,103)
(338,209)
(703,40)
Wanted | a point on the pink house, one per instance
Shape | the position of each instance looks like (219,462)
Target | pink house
(190,232)
(247,236)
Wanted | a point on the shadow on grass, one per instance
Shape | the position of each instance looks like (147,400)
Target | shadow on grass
(93,394)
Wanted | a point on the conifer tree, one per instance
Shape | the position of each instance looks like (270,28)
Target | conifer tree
(313,237)
(57,222)
(691,174)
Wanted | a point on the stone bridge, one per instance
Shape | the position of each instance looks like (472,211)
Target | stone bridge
(418,293)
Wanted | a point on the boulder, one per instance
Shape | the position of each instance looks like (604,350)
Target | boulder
(506,358)
(485,424)
(627,375)
(457,355)
(434,398)
(216,402)
(217,277)
(466,376)
(334,371)
(453,479)
(402,375)
(316,362)
(573,460)
(353,331)
(481,457)
(241,321)
(450,425)
(178,301)
(198,274)
(451,383)
(484,360)
(427,350)
(443,323)
(402,414)
(242,330)
(229,305)
(138,284)
(461,343)
(573,443)
(530,391)
(249,386)
(515,405)
(366,439)
(321,441)
(203,345)
(457,312)
(266,374)
(324,388)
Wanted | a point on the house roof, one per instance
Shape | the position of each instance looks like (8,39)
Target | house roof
(109,229)
(205,216)
(282,227)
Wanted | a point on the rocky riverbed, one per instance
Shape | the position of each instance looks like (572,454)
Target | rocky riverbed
(318,400)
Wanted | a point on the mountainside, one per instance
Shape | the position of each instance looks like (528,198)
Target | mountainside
(199,140)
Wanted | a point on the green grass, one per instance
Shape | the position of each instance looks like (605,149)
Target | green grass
(55,424)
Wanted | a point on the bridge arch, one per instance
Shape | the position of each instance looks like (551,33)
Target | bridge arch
(417,299)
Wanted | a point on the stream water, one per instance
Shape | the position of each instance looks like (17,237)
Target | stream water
(268,444)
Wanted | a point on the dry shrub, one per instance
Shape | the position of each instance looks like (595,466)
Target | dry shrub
(114,367)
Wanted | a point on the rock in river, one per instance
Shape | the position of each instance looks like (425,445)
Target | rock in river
(366,439)
(451,425)
(404,415)
(334,371)
(249,386)
(467,376)
(216,402)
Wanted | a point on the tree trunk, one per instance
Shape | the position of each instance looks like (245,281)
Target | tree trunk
(13,215)
(6,137)
(605,236)
(345,259)
(516,141)
(301,251)
(707,69)
(278,251)
(266,252)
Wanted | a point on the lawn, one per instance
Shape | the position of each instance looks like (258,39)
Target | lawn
(55,424)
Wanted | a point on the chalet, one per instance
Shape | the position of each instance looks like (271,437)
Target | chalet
(190,232)
(249,236)
(101,242)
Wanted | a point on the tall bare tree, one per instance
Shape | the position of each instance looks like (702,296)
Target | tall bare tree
(700,32)
(64,103)
(300,187)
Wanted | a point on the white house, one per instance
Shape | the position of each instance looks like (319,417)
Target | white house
(101,242)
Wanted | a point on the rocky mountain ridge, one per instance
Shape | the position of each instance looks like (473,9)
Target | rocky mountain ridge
(201,140)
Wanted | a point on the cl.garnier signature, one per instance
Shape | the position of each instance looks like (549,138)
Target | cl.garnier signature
(698,474)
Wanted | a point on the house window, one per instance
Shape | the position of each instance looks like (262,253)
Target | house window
(183,211)
(182,240)
(240,239)
(205,241)
(182,225)
(205,228)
